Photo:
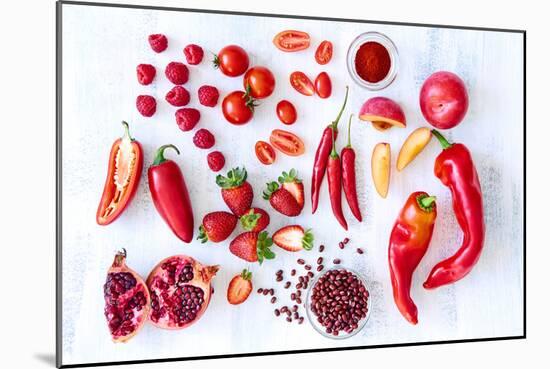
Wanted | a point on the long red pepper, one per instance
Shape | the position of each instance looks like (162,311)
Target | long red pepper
(455,169)
(321,157)
(409,240)
(334,169)
(348,176)
(170,195)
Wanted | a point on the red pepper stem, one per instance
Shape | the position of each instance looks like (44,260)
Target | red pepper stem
(442,140)
(335,122)
(426,202)
(333,153)
(159,156)
(349,132)
(126,135)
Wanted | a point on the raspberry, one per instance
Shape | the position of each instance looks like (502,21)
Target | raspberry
(187,118)
(208,95)
(203,139)
(158,42)
(178,96)
(177,73)
(145,73)
(193,54)
(146,105)
(216,161)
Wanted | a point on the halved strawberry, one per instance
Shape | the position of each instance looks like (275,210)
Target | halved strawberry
(282,200)
(293,185)
(236,191)
(217,226)
(293,238)
(255,220)
(252,246)
(239,288)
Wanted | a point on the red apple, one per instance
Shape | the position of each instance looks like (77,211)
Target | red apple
(444,100)
(384,113)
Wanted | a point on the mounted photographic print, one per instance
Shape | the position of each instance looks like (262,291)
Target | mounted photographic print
(234,184)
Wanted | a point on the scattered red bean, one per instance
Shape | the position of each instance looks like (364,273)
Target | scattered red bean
(346,240)
(341,245)
(298,293)
(337,261)
(319,260)
(301,261)
(271,291)
(293,272)
(321,248)
(359,250)
(279,278)
(295,308)
(301,320)
(288,319)
(295,315)
(320,267)
(265,292)
(260,290)
(298,285)
(293,296)
(288,313)
(310,274)
(273,299)
(307,267)
(284,309)
(287,284)
(298,300)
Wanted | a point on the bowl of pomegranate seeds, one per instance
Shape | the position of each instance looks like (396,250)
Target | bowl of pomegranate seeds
(338,303)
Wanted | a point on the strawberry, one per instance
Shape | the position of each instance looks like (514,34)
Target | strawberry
(236,191)
(255,220)
(217,226)
(239,288)
(293,238)
(252,246)
(293,185)
(287,196)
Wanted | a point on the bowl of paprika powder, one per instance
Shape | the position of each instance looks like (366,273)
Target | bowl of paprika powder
(372,60)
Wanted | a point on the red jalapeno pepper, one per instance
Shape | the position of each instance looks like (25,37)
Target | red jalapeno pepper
(335,186)
(170,195)
(409,240)
(348,176)
(321,157)
(455,169)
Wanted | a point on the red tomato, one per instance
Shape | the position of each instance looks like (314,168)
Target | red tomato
(236,108)
(287,142)
(261,82)
(323,85)
(264,152)
(302,83)
(291,41)
(286,112)
(323,54)
(232,60)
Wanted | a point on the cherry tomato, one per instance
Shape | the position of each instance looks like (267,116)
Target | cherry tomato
(291,41)
(260,81)
(323,54)
(302,83)
(237,108)
(286,112)
(232,60)
(265,152)
(287,142)
(323,85)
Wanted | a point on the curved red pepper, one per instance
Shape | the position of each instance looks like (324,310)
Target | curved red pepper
(409,240)
(123,175)
(170,195)
(321,157)
(455,168)
(335,186)
(348,176)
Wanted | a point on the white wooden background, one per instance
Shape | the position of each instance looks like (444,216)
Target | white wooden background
(101,48)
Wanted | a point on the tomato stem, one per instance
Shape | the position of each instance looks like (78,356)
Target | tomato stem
(159,156)
(335,122)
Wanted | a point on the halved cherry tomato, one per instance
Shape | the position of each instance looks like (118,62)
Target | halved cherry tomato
(323,54)
(237,108)
(302,83)
(323,85)
(286,112)
(287,142)
(291,41)
(265,153)
(232,60)
(259,81)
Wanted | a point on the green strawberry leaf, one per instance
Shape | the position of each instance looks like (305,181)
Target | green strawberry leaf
(271,187)
(235,177)
(307,240)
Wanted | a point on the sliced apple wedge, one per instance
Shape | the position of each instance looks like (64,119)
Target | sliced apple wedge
(383,113)
(380,166)
(413,145)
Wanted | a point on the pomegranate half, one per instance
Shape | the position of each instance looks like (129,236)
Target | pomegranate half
(126,300)
(180,291)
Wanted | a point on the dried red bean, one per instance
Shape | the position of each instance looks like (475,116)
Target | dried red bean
(288,313)
(273,299)
(307,267)
(260,290)
(341,245)
(265,292)
(295,308)
(287,284)
(301,261)
(319,268)
(284,308)
(321,248)
(320,260)
(359,250)
(293,272)
(301,320)
(277,312)
(293,296)
(271,291)
(298,300)
(299,285)
(279,278)
(298,293)
(295,315)
(310,274)
(346,240)
(288,319)
(337,261)
(279,272)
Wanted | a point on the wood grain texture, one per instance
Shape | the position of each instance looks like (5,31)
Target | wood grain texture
(101,48)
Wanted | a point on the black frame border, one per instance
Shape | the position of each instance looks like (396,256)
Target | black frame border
(58,236)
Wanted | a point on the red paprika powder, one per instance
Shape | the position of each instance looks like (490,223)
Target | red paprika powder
(372,62)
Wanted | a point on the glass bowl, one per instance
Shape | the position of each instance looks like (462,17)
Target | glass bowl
(313,319)
(394,57)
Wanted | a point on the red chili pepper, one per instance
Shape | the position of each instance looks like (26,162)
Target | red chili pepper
(348,176)
(321,157)
(170,195)
(125,166)
(455,169)
(335,185)
(409,240)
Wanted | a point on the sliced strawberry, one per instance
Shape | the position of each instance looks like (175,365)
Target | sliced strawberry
(217,226)
(294,185)
(236,191)
(255,220)
(252,246)
(293,238)
(239,288)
